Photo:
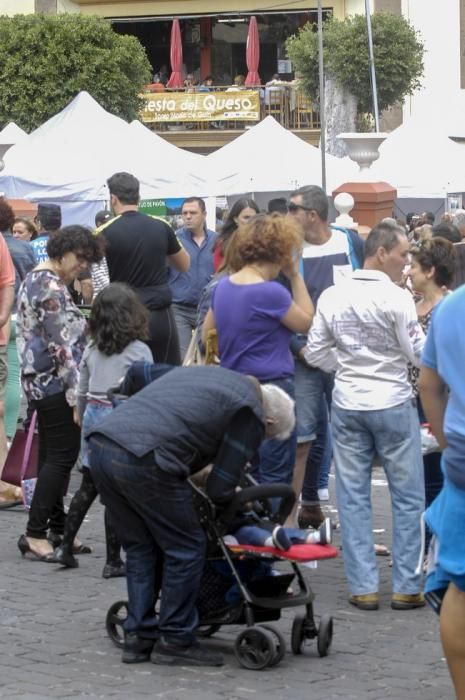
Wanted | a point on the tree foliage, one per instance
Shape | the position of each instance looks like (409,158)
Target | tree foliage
(46,60)
(398,56)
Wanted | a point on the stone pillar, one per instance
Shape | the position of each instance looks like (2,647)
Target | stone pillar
(373,201)
(22,207)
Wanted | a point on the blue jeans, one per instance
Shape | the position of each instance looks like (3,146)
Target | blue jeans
(313,392)
(319,458)
(92,414)
(154,518)
(393,434)
(276,458)
(257,536)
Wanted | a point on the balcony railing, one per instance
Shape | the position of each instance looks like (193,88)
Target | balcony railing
(219,108)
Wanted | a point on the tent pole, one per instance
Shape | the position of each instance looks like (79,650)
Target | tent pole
(322,97)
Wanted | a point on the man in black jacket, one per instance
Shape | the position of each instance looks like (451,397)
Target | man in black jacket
(141,456)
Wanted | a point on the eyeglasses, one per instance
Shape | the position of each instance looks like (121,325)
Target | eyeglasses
(292,208)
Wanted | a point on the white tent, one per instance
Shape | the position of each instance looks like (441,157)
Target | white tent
(164,168)
(13,133)
(68,159)
(269,158)
(420,162)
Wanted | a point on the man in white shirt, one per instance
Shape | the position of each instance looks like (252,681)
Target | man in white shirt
(366,328)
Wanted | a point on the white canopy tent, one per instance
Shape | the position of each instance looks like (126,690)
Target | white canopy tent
(13,133)
(421,162)
(68,159)
(269,158)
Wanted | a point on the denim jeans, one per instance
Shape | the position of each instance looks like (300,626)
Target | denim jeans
(313,391)
(276,458)
(186,321)
(257,536)
(154,518)
(393,434)
(319,458)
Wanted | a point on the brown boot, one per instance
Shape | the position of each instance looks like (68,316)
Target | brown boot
(310,516)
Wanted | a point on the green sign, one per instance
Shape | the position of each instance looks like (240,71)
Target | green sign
(155,207)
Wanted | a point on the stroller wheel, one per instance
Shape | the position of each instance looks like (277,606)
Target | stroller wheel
(325,635)
(298,634)
(207,630)
(116,616)
(280,644)
(255,648)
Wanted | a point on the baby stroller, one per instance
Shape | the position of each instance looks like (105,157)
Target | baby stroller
(240,586)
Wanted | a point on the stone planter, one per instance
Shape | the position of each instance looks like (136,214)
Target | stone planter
(363,148)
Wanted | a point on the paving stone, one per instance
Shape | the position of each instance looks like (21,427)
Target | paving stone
(53,642)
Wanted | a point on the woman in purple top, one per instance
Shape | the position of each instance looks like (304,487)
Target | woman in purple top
(255,317)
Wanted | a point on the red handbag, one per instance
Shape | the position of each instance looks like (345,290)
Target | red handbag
(22,461)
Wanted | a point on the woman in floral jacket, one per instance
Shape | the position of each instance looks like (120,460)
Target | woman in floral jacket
(51,339)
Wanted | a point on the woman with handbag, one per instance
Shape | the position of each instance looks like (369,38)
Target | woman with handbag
(51,337)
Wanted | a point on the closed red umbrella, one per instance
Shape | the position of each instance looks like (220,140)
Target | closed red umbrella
(252,53)
(175,80)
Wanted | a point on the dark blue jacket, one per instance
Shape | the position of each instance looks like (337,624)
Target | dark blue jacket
(181,417)
(23,259)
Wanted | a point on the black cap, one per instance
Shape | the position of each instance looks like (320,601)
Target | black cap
(102,217)
(49,216)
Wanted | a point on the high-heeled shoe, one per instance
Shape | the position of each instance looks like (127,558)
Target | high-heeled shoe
(24,547)
(61,556)
(56,540)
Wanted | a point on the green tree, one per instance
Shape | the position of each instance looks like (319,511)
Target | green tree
(46,60)
(398,55)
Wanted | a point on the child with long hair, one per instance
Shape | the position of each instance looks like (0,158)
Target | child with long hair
(118,325)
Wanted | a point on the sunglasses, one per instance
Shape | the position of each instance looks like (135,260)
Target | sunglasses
(292,208)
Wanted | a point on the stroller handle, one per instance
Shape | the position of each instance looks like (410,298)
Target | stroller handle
(260,493)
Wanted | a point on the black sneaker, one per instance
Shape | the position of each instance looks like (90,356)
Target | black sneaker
(281,539)
(326,531)
(136,649)
(310,516)
(194,655)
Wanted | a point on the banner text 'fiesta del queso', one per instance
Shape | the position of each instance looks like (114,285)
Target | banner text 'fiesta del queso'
(201,106)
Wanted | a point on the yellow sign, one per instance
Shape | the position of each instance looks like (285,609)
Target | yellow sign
(201,106)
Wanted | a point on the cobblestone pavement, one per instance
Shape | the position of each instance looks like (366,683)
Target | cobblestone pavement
(53,642)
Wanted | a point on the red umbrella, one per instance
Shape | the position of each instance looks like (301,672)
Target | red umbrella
(252,53)
(175,80)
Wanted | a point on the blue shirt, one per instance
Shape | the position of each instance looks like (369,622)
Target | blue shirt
(39,248)
(444,352)
(187,287)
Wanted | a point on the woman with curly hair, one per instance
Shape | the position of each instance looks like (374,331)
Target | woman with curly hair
(118,325)
(255,317)
(51,337)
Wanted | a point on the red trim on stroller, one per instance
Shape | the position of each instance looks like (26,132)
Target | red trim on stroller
(298,552)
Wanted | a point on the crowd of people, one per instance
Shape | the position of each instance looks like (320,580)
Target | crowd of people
(319,340)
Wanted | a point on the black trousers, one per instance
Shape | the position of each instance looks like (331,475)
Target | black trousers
(59,443)
(164,341)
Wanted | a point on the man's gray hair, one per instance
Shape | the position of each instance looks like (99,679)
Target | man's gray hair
(459,218)
(383,235)
(313,197)
(279,407)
